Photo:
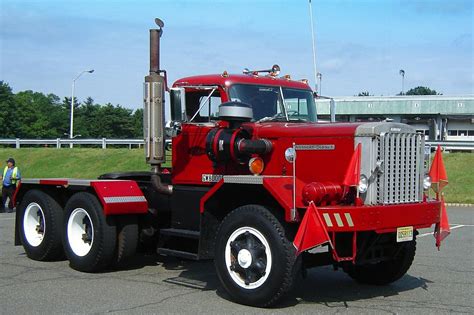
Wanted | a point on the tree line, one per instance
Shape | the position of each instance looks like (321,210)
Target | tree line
(30,114)
(419,90)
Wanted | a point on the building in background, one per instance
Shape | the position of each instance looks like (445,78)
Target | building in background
(439,117)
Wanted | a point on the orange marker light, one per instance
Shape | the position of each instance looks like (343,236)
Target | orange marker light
(256,165)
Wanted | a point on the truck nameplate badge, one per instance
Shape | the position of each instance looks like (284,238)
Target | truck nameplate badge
(211,178)
(318,147)
(404,234)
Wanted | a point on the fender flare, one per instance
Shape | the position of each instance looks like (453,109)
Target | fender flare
(280,188)
(116,196)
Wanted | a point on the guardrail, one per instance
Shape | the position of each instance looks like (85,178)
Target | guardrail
(58,143)
(451,145)
(104,142)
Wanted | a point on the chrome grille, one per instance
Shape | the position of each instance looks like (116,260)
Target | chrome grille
(400,176)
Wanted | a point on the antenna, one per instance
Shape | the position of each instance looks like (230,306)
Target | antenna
(314,48)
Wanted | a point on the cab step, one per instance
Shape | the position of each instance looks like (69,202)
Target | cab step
(177,253)
(181,233)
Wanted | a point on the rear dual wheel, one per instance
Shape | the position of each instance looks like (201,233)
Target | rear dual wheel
(89,236)
(127,239)
(92,241)
(40,219)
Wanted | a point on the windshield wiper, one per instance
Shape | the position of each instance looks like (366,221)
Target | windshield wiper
(276,117)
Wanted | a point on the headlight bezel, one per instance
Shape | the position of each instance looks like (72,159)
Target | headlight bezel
(290,154)
(363,185)
(427,182)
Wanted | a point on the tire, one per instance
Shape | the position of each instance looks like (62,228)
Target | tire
(254,259)
(127,239)
(385,272)
(40,221)
(89,237)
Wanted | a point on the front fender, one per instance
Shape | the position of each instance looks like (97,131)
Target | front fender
(279,188)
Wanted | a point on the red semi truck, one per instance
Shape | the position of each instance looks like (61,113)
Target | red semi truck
(249,161)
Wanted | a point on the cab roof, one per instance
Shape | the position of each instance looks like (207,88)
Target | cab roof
(230,79)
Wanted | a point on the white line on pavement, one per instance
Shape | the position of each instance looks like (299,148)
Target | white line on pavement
(452,228)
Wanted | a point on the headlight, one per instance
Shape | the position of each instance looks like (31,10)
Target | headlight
(426,182)
(290,155)
(363,184)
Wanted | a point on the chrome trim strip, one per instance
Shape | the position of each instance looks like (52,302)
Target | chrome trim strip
(30,181)
(293,211)
(124,199)
(243,179)
(314,147)
(396,195)
(79,182)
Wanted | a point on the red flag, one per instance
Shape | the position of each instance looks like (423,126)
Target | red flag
(312,231)
(352,176)
(439,179)
(442,229)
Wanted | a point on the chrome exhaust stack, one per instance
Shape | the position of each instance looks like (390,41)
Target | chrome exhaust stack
(154,111)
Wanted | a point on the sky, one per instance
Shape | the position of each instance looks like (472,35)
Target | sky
(360,45)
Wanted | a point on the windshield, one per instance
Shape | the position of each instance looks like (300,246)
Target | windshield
(269,104)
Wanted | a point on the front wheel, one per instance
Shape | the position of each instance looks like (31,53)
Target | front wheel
(254,259)
(90,237)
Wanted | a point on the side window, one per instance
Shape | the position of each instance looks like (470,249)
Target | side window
(297,105)
(211,108)
(208,109)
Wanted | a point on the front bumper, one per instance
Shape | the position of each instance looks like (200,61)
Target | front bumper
(381,218)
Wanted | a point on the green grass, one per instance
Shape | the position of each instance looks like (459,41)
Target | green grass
(75,163)
(460,169)
(90,163)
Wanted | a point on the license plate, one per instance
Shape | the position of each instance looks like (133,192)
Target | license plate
(404,234)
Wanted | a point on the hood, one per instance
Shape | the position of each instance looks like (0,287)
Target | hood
(302,130)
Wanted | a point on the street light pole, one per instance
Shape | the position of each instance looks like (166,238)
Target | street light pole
(320,79)
(314,46)
(71,126)
(402,73)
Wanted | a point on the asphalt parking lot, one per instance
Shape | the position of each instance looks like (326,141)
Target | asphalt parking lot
(438,282)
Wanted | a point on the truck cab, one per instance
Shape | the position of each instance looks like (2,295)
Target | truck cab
(195,105)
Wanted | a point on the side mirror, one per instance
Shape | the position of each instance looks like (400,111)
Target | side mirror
(172,129)
(178,104)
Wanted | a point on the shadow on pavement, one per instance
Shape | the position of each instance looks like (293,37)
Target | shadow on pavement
(322,285)
(334,289)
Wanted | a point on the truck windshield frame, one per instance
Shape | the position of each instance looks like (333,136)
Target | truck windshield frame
(276,103)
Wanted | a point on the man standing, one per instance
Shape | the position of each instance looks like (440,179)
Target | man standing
(11,175)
